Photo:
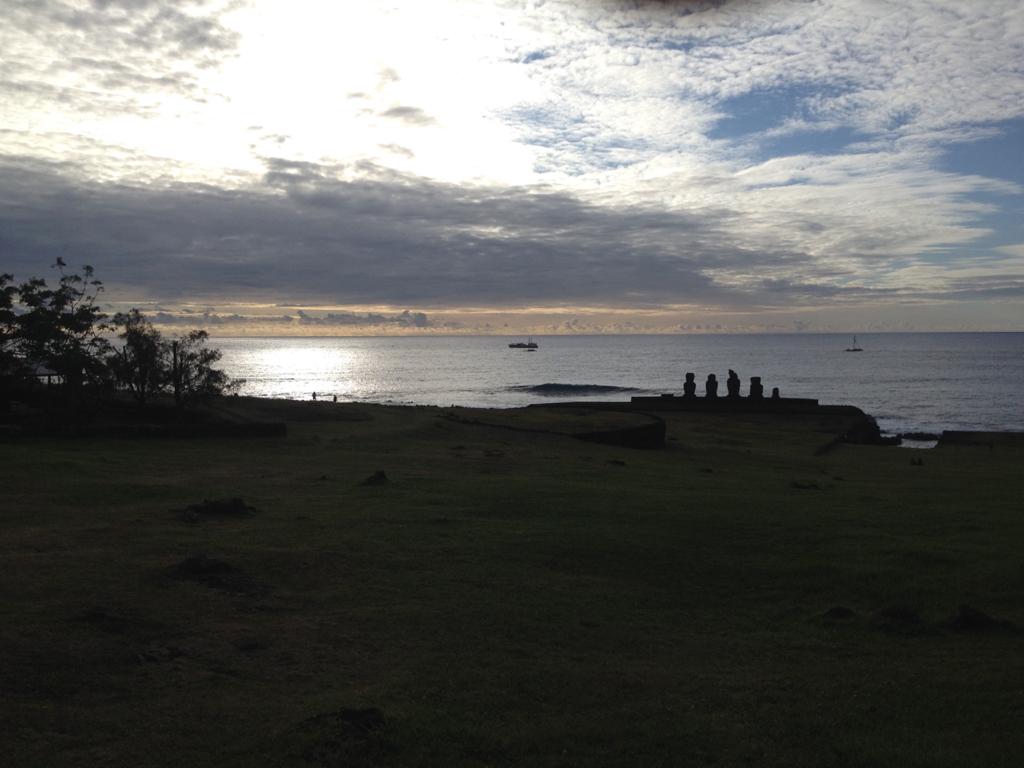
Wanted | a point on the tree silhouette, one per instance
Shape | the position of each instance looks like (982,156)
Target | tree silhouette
(8,325)
(147,363)
(192,375)
(63,327)
(141,364)
(9,360)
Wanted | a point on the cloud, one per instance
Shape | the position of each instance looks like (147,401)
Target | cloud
(386,77)
(397,149)
(897,71)
(383,238)
(1016,250)
(212,318)
(409,115)
(402,240)
(742,155)
(109,52)
(404,319)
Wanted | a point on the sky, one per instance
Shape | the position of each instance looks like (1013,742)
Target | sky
(499,166)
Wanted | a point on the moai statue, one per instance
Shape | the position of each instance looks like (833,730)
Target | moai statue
(775,393)
(732,384)
(711,386)
(756,390)
(690,387)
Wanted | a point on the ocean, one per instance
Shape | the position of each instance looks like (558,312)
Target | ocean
(910,382)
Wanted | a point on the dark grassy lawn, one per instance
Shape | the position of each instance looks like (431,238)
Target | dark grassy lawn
(509,598)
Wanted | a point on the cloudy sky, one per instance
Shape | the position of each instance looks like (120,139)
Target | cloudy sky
(520,165)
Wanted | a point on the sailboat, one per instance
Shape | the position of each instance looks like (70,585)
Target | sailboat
(531,344)
(854,348)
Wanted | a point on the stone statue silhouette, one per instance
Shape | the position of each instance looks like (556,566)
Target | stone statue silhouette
(711,386)
(732,384)
(690,387)
(756,390)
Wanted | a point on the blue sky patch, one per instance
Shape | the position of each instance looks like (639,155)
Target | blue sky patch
(755,112)
(830,142)
(998,157)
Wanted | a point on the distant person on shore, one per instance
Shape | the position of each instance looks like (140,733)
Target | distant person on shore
(732,384)
(711,387)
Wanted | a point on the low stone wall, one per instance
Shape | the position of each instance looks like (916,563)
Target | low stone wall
(852,425)
(726,404)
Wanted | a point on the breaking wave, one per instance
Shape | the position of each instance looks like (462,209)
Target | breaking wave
(561,390)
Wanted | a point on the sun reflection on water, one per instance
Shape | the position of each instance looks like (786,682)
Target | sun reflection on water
(327,371)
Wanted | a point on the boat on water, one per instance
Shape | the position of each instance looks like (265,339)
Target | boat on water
(854,348)
(530,344)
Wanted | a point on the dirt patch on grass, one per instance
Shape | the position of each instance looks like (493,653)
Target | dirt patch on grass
(969,620)
(839,613)
(105,620)
(900,620)
(156,653)
(353,738)
(230,508)
(117,621)
(216,574)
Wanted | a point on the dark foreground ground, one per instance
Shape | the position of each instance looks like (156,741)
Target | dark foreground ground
(509,598)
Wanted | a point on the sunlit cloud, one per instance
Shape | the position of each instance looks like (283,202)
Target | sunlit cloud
(718,157)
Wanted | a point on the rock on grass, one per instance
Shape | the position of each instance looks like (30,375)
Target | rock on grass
(377,478)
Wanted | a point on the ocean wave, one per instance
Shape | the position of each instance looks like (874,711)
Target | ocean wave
(561,390)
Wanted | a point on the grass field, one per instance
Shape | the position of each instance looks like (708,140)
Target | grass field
(509,598)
